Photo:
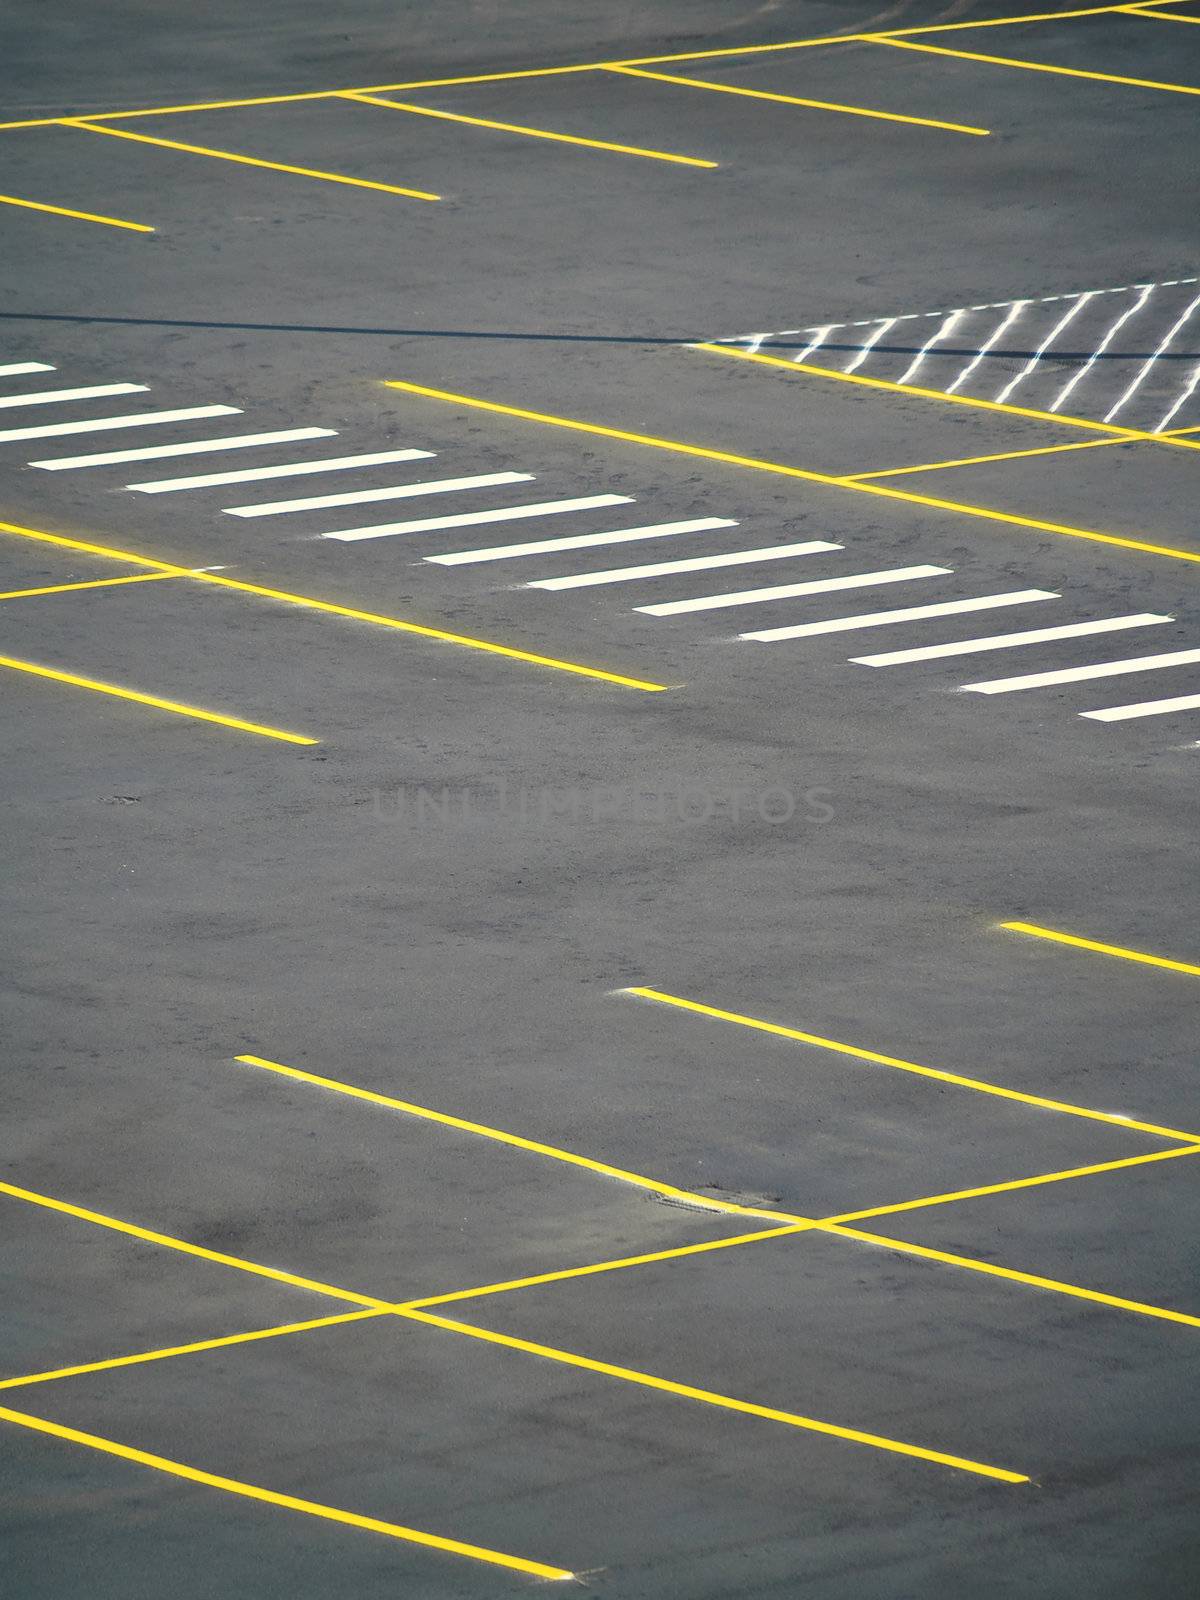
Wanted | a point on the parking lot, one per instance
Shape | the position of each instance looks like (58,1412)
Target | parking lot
(602,697)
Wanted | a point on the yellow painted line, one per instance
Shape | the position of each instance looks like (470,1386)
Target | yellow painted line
(311,1508)
(1158,16)
(65,211)
(874,1056)
(329,608)
(685,1391)
(1033,66)
(1037,932)
(1006,455)
(1114,430)
(532,133)
(159,704)
(753,463)
(248,161)
(793,100)
(533,1146)
(94,583)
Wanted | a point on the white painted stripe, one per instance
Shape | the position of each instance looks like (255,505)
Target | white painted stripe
(1098,669)
(659,569)
(1014,311)
(1072,311)
(1187,394)
(18,369)
(50,397)
(467,519)
(137,419)
(946,328)
(194,447)
(289,469)
(1129,311)
(888,322)
(355,497)
(819,337)
(788,591)
(1144,370)
(1007,641)
(879,619)
(1145,708)
(582,541)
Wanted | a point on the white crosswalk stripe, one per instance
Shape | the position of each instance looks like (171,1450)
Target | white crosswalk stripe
(1097,669)
(49,397)
(467,519)
(193,447)
(289,469)
(582,541)
(788,591)
(1010,641)
(406,491)
(1145,708)
(138,419)
(879,619)
(18,369)
(659,569)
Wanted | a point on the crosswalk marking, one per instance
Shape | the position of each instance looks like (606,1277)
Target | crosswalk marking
(137,419)
(404,491)
(194,447)
(879,619)
(658,569)
(1008,641)
(467,519)
(1145,708)
(18,369)
(48,397)
(289,469)
(788,591)
(580,541)
(1098,669)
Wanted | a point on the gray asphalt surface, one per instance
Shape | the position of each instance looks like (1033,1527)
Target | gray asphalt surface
(443,900)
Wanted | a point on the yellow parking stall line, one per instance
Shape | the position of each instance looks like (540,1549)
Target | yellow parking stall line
(1036,932)
(1005,455)
(1158,16)
(793,100)
(118,693)
(94,583)
(532,133)
(660,997)
(80,216)
(1032,66)
(246,161)
(250,1491)
(754,464)
(330,608)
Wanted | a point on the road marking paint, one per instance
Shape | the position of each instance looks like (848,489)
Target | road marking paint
(1143,371)
(1008,641)
(329,608)
(194,447)
(1097,669)
(944,331)
(789,591)
(1068,316)
(1032,66)
(1145,708)
(584,541)
(137,419)
(19,369)
(468,519)
(245,161)
(289,469)
(532,133)
(50,397)
(288,1502)
(118,693)
(793,100)
(878,619)
(1121,951)
(355,497)
(66,211)
(685,1391)
(858,1054)
(94,583)
(1004,455)
(1159,16)
(818,339)
(865,350)
(534,1146)
(1001,328)
(659,569)
(1147,289)
(1185,395)
(754,464)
